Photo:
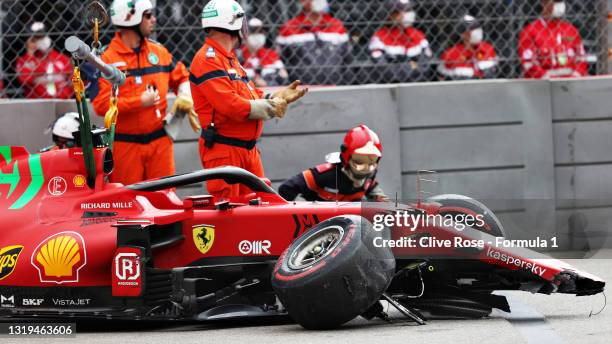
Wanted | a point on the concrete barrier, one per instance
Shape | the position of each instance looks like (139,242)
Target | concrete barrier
(537,151)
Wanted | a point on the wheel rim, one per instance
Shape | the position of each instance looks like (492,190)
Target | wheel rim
(316,247)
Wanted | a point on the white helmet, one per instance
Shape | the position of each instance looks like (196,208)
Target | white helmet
(255,23)
(224,14)
(66,125)
(128,13)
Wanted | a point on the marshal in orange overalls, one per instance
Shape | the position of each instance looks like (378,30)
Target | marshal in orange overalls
(142,150)
(221,93)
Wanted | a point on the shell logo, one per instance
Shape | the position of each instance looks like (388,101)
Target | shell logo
(59,258)
(79,181)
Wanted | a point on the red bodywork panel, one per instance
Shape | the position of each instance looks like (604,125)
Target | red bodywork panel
(83,250)
(68,238)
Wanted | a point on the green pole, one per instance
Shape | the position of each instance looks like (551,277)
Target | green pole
(87,141)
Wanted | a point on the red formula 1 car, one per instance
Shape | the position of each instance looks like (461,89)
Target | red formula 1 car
(74,245)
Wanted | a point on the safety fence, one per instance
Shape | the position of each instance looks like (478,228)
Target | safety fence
(351,61)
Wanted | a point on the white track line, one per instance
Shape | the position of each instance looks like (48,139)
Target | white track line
(532,325)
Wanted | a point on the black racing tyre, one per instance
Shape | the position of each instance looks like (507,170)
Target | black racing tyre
(458,205)
(333,273)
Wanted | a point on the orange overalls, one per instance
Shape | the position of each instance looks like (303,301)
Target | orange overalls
(221,93)
(142,150)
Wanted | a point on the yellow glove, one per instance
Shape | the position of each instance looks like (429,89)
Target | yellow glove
(280,107)
(194,121)
(110,117)
(291,93)
(184,105)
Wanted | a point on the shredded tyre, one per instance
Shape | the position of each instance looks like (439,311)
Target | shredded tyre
(333,273)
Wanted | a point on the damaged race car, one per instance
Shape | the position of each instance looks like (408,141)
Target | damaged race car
(105,250)
(76,246)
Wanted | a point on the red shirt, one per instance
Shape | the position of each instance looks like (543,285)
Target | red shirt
(264,59)
(465,62)
(45,75)
(300,30)
(220,85)
(395,42)
(552,48)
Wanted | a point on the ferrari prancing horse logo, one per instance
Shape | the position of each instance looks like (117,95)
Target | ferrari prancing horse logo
(203,237)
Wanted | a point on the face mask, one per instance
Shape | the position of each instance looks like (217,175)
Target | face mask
(408,18)
(558,10)
(43,44)
(256,41)
(476,36)
(362,170)
(320,6)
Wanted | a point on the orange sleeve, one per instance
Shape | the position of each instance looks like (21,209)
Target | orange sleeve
(178,76)
(212,82)
(258,91)
(124,104)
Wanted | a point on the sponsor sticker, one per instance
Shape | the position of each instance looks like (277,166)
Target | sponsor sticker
(71,302)
(59,258)
(90,221)
(79,181)
(127,272)
(7,301)
(107,205)
(8,260)
(254,247)
(57,186)
(210,14)
(203,237)
(32,302)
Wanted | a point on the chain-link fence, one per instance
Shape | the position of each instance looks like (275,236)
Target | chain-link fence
(349,49)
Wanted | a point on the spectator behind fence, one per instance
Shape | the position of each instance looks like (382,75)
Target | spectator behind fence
(551,47)
(472,57)
(315,45)
(42,70)
(263,65)
(401,50)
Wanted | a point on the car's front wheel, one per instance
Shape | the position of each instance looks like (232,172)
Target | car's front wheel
(333,273)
